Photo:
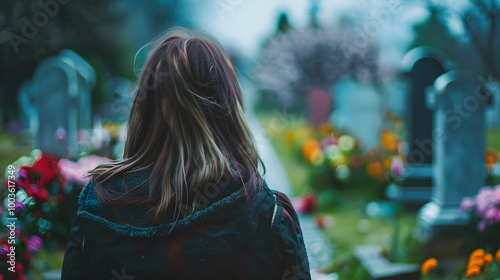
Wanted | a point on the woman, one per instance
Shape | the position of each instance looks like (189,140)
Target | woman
(187,201)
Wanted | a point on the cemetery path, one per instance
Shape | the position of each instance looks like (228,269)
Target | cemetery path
(318,248)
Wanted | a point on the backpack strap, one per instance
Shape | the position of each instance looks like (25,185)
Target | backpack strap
(288,238)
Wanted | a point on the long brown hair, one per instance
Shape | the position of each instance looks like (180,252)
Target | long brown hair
(186,125)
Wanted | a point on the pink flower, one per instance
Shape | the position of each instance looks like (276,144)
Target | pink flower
(34,244)
(490,214)
(496,195)
(467,203)
(4,249)
(76,171)
(19,207)
(497,218)
(327,141)
(481,226)
(484,199)
(397,166)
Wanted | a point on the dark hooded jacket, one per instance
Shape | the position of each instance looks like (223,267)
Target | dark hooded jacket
(237,235)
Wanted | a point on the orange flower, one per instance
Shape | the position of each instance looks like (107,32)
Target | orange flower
(310,149)
(490,160)
(325,128)
(388,163)
(497,255)
(477,252)
(488,258)
(477,260)
(472,271)
(389,141)
(428,266)
(374,169)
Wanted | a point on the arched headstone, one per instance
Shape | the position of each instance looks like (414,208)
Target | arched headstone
(459,104)
(358,111)
(62,96)
(421,66)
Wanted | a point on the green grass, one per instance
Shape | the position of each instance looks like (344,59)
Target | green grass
(11,150)
(493,139)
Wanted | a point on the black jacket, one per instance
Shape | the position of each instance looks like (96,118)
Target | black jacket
(233,237)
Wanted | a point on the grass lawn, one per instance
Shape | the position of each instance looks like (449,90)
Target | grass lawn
(493,139)
(11,150)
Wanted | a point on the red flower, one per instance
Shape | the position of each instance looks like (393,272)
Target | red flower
(37,213)
(33,179)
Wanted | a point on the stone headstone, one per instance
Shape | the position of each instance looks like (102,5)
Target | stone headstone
(320,105)
(28,111)
(421,66)
(120,95)
(459,105)
(493,112)
(357,111)
(62,95)
(379,268)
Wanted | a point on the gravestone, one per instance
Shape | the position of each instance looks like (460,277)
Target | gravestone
(459,104)
(28,112)
(493,112)
(357,111)
(320,105)
(121,93)
(62,96)
(421,66)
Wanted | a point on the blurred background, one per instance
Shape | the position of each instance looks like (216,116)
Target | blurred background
(381,118)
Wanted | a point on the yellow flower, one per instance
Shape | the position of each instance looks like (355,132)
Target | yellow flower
(428,266)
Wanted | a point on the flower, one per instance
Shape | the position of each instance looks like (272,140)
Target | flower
(311,150)
(346,143)
(477,260)
(497,255)
(397,166)
(19,207)
(307,203)
(324,221)
(472,271)
(374,169)
(486,205)
(389,140)
(478,252)
(428,266)
(488,258)
(76,171)
(33,179)
(467,203)
(34,244)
